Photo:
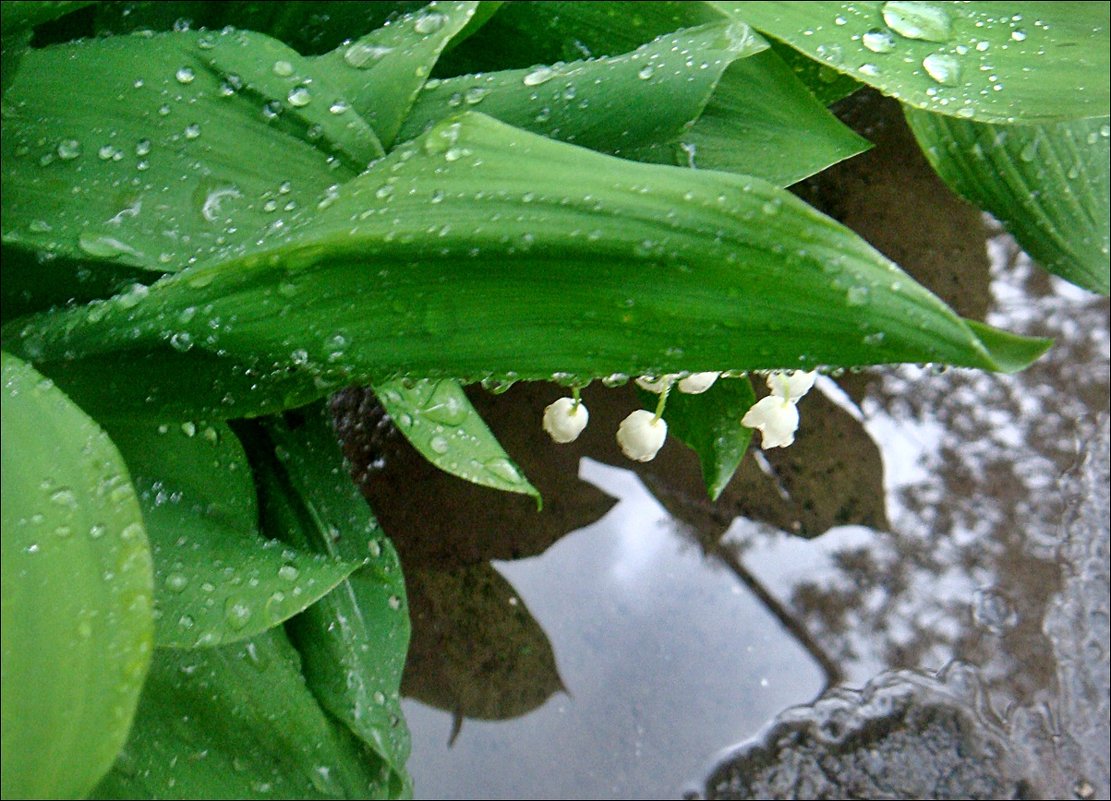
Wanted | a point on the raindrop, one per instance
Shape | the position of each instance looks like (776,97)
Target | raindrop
(283,68)
(878,41)
(857,296)
(1029,151)
(107,152)
(185,75)
(338,107)
(394,602)
(379,697)
(916,20)
(237,613)
(439,444)
(271,109)
(103,246)
(1018,36)
(64,497)
(504,469)
(943,68)
(646,72)
(444,406)
(192,131)
(538,76)
(142,147)
(299,96)
(429,23)
(475,95)
(288,572)
(69,149)
(189,429)
(364,56)
(177,582)
(831,53)
(181,341)
(871,70)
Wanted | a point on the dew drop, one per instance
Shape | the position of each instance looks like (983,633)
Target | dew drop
(177,582)
(69,149)
(185,75)
(429,23)
(917,20)
(299,96)
(878,41)
(503,469)
(475,95)
(538,76)
(364,56)
(394,602)
(288,572)
(439,444)
(237,613)
(283,68)
(192,131)
(943,68)
(646,72)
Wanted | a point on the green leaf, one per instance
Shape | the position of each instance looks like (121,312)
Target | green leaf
(762,121)
(710,424)
(1048,184)
(19,17)
(600,103)
(142,151)
(634,269)
(77,623)
(990,61)
(354,641)
(827,85)
(439,421)
(216,579)
(236,722)
(382,73)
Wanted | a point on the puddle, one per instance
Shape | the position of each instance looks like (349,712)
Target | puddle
(938,541)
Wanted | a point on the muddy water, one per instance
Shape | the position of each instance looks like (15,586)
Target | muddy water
(911,601)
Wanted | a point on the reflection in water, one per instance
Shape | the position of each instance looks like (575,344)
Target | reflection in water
(610,651)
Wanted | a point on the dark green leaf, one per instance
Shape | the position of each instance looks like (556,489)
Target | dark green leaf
(439,421)
(634,269)
(381,74)
(77,622)
(710,424)
(600,103)
(236,722)
(353,642)
(141,151)
(762,121)
(1048,184)
(989,61)
(216,579)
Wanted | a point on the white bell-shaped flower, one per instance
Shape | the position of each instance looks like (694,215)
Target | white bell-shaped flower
(564,420)
(777,420)
(656,384)
(697,383)
(791,384)
(641,435)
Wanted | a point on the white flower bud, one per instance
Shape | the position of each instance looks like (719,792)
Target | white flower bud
(697,383)
(564,420)
(776,418)
(641,435)
(656,385)
(792,384)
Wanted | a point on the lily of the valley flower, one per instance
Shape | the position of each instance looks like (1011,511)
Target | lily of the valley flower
(775,416)
(641,435)
(697,383)
(565,419)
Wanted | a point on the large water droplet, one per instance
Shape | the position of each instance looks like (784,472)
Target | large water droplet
(429,22)
(185,75)
(439,444)
(878,41)
(69,149)
(943,68)
(105,246)
(237,613)
(299,96)
(916,20)
(362,55)
(504,469)
(538,76)
(283,69)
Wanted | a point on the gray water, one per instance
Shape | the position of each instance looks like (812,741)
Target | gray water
(911,601)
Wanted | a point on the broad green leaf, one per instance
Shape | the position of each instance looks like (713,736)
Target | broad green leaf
(354,641)
(236,722)
(635,269)
(526,34)
(381,73)
(1048,184)
(77,623)
(216,579)
(710,424)
(439,421)
(758,121)
(762,121)
(138,150)
(600,103)
(989,61)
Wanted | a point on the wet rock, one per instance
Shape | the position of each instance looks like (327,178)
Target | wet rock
(905,735)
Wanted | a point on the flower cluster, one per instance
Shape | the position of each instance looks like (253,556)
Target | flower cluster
(642,433)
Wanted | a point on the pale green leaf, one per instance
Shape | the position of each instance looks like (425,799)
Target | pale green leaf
(77,621)
(994,62)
